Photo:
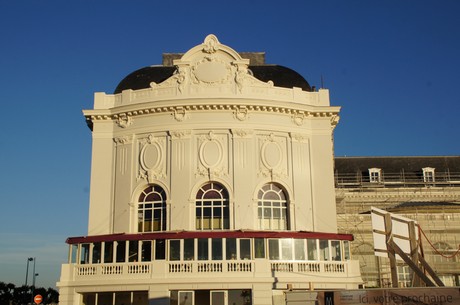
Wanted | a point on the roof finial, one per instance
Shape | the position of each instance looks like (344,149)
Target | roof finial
(210,43)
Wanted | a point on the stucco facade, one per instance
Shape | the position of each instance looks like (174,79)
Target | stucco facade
(239,173)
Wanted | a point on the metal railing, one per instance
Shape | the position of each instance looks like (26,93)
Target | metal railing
(360,179)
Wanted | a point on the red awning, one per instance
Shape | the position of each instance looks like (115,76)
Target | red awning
(208,234)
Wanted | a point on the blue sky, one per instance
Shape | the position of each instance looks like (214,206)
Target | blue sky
(393,66)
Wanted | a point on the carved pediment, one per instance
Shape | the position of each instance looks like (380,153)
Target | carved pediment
(209,65)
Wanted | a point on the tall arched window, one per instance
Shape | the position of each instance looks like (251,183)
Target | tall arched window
(212,208)
(272,208)
(152,209)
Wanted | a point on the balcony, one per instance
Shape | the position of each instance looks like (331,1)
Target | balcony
(240,269)
(210,258)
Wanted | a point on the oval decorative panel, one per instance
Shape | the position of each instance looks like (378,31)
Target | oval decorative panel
(271,155)
(151,156)
(211,153)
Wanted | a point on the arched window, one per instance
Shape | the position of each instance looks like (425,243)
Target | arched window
(272,208)
(152,210)
(212,209)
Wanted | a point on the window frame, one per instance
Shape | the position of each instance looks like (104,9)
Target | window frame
(428,174)
(375,175)
(267,208)
(207,204)
(145,206)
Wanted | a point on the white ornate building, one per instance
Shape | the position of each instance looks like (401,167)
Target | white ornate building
(212,183)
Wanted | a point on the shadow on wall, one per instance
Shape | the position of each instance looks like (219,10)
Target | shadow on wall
(177,297)
(159,301)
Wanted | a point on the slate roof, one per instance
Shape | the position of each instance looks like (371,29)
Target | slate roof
(414,165)
(141,79)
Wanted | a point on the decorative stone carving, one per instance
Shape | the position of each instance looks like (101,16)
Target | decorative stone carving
(123,120)
(242,133)
(240,76)
(210,44)
(178,80)
(211,155)
(181,77)
(211,152)
(180,134)
(298,119)
(211,70)
(151,158)
(241,113)
(122,140)
(300,137)
(272,156)
(334,120)
(179,114)
(211,136)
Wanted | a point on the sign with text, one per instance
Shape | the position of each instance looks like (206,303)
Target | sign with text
(404,296)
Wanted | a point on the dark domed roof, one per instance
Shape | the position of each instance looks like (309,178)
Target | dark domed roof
(281,77)
(141,79)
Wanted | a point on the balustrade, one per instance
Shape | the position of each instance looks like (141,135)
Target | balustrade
(283,267)
(334,267)
(209,267)
(309,267)
(239,267)
(216,267)
(180,267)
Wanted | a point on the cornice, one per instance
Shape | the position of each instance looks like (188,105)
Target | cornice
(124,117)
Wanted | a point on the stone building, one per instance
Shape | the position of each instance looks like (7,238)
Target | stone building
(212,182)
(425,189)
